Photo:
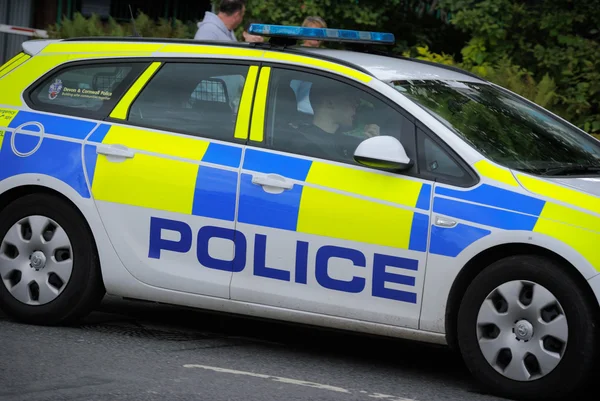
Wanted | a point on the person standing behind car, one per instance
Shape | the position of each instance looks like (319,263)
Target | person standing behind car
(220,26)
(313,22)
(302,89)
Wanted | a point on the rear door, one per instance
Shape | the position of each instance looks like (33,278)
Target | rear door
(166,175)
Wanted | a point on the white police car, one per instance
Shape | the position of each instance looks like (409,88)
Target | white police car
(336,188)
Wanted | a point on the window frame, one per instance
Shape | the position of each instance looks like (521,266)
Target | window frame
(471,178)
(189,60)
(107,107)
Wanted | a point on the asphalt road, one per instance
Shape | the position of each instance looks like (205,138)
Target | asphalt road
(137,351)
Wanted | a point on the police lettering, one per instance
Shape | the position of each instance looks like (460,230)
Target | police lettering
(158,246)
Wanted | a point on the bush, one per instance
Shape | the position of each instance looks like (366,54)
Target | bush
(80,26)
(553,38)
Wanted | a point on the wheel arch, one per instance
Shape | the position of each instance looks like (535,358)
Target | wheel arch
(18,192)
(488,256)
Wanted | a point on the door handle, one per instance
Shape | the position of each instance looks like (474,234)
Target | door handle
(444,222)
(272,183)
(115,151)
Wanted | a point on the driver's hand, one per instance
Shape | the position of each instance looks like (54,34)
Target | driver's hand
(372,130)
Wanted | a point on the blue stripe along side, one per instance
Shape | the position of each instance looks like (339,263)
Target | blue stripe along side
(223,155)
(484,215)
(268,210)
(271,163)
(497,197)
(67,167)
(56,125)
(452,241)
(419,232)
(215,193)
(99,134)
(424,199)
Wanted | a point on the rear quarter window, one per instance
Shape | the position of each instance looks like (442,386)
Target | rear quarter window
(86,90)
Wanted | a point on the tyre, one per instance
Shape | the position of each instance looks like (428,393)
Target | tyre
(526,331)
(49,268)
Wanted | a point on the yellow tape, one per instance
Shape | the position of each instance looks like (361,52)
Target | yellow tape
(330,214)
(257,130)
(150,141)
(109,57)
(6,117)
(146,181)
(99,47)
(13,63)
(496,173)
(560,193)
(10,61)
(374,185)
(122,108)
(211,50)
(314,62)
(243,118)
(579,230)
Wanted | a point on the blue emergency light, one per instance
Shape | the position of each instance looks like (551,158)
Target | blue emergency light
(323,34)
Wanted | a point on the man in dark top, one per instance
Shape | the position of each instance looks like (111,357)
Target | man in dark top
(334,112)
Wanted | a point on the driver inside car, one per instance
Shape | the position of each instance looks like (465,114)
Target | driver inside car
(334,115)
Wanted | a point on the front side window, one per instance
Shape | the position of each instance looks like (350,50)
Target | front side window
(322,117)
(90,90)
(196,98)
(504,128)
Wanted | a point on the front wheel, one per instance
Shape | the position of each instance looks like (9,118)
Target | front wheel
(49,270)
(526,330)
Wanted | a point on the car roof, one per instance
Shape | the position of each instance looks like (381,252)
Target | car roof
(387,68)
(383,67)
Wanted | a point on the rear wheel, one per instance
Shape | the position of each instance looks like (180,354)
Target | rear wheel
(49,270)
(526,330)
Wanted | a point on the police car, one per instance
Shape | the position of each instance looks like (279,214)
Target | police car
(345,189)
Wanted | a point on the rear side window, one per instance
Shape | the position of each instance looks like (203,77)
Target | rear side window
(90,90)
(199,99)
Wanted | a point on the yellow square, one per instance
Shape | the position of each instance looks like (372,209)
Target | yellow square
(346,217)
(146,181)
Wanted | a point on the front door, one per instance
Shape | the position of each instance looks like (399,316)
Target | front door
(327,235)
(166,175)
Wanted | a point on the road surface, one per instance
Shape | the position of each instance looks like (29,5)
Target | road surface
(138,351)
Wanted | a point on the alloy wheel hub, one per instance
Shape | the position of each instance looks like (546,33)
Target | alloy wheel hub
(523,330)
(37,260)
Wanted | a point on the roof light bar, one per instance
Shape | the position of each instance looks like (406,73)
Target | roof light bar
(324,34)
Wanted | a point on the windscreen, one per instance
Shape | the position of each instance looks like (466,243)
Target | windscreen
(505,128)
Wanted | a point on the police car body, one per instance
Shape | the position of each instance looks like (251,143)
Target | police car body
(167,171)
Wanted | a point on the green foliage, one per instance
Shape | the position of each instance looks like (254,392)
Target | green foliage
(80,26)
(423,53)
(557,40)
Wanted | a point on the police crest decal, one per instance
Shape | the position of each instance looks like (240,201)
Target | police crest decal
(54,89)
